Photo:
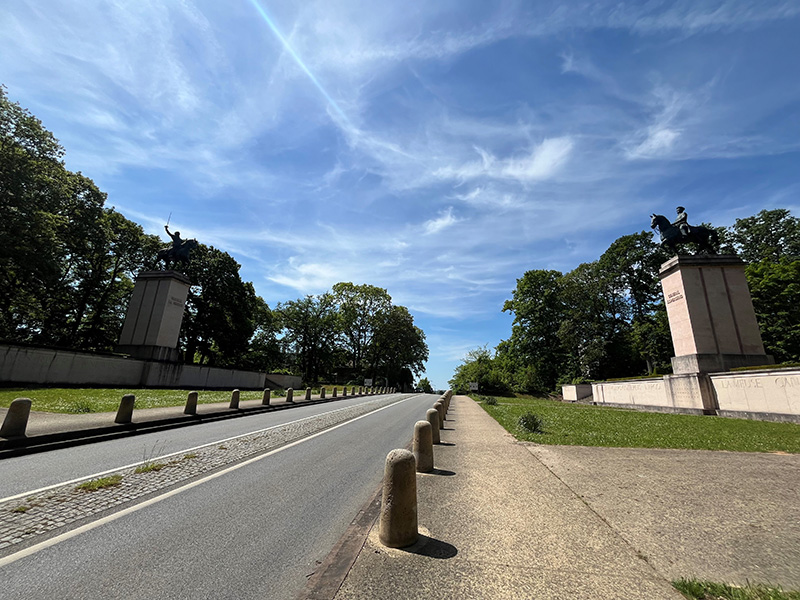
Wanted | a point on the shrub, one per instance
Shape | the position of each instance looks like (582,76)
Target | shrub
(490,400)
(532,422)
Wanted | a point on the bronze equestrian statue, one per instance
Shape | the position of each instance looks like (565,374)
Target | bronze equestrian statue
(179,252)
(680,232)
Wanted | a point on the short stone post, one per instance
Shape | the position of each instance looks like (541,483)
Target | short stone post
(333,393)
(440,407)
(191,404)
(266,397)
(398,526)
(322,393)
(234,399)
(344,392)
(125,410)
(289,395)
(360,390)
(308,393)
(432,416)
(16,421)
(423,446)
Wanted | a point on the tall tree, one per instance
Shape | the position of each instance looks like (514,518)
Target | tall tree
(361,311)
(397,345)
(769,235)
(310,328)
(538,307)
(221,309)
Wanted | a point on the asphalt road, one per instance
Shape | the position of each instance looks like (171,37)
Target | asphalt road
(254,532)
(22,474)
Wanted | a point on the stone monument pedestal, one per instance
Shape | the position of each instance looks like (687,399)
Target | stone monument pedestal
(711,316)
(154,317)
(713,325)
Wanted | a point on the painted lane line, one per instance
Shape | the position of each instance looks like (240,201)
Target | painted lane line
(171,454)
(11,558)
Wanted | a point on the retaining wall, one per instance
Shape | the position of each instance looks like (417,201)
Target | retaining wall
(769,395)
(44,366)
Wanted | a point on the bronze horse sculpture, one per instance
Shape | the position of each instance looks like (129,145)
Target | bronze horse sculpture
(170,256)
(706,239)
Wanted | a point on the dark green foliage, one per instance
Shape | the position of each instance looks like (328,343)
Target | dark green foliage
(67,265)
(607,319)
(490,400)
(66,261)
(425,386)
(531,423)
(775,287)
(356,330)
(479,366)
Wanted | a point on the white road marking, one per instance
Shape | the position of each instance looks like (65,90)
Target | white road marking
(162,457)
(89,526)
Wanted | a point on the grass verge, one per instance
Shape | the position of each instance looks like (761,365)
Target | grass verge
(587,425)
(100,483)
(92,400)
(149,467)
(706,590)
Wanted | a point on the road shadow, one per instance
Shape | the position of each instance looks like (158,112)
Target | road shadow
(444,472)
(432,548)
(445,444)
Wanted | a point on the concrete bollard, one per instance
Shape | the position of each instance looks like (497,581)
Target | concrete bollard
(398,526)
(344,392)
(265,399)
(125,410)
(289,395)
(322,393)
(234,399)
(422,447)
(360,390)
(191,404)
(16,421)
(432,416)
(440,407)
(308,393)
(333,393)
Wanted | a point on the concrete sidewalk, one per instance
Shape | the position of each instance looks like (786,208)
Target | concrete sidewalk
(508,520)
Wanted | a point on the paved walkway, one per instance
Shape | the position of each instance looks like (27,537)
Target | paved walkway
(508,520)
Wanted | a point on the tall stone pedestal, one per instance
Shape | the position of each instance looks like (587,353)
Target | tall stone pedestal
(713,325)
(711,316)
(154,317)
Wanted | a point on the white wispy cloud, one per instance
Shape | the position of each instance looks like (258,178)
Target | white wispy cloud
(440,223)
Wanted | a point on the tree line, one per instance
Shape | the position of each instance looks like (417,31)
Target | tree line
(607,319)
(68,264)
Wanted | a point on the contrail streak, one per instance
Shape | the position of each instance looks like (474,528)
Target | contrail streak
(297,59)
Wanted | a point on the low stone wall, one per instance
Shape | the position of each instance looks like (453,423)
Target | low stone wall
(768,395)
(634,392)
(281,382)
(772,394)
(44,366)
(576,392)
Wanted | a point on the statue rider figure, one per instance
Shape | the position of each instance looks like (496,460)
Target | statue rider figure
(177,242)
(682,222)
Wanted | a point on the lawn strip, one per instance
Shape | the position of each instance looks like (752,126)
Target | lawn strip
(588,425)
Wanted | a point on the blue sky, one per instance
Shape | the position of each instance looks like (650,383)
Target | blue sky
(437,149)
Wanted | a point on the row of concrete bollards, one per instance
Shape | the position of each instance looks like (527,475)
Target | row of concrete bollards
(398,518)
(16,421)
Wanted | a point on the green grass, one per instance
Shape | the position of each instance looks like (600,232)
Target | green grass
(587,425)
(100,483)
(92,400)
(149,467)
(706,590)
